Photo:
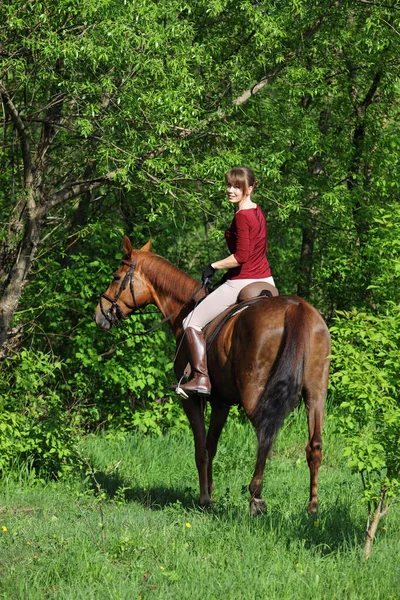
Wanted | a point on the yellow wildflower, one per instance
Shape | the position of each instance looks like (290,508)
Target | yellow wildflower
(187,525)
(4,528)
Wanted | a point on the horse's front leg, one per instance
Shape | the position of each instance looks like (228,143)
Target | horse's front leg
(194,408)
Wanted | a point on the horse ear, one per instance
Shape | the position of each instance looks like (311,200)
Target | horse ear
(127,246)
(147,247)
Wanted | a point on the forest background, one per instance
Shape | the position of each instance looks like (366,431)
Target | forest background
(122,117)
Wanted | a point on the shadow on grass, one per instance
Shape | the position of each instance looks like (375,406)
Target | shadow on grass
(154,498)
(332,529)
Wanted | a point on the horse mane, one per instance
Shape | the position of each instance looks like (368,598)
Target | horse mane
(167,277)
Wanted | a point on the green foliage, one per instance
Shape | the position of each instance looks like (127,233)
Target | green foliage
(365,383)
(383,255)
(35,424)
(159,418)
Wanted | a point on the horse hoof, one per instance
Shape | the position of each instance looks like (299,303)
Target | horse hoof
(206,504)
(257,506)
(312,508)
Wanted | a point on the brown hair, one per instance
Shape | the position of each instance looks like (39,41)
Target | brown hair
(242,178)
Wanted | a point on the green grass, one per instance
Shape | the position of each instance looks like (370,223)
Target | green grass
(144,537)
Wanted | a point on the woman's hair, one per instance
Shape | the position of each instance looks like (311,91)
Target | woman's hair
(242,178)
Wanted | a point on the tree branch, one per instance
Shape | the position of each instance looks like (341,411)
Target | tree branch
(378,4)
(20,127)
(73,190)
(278,68)
(372,91)
(263,82)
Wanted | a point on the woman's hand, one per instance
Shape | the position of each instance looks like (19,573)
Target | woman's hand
(207,274)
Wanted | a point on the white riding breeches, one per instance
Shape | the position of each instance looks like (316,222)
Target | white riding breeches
(219,300)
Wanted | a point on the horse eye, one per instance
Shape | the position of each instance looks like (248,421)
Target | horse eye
(116,277)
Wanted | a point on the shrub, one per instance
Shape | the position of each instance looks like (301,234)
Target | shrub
(365,381)
(34,423)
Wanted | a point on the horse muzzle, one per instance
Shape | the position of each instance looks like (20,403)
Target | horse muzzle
(102,321)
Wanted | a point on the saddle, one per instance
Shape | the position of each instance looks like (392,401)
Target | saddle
(247,296)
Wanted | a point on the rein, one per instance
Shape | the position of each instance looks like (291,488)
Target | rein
(165,319)
(115,314)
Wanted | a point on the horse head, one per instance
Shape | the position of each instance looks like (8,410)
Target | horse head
(129,290)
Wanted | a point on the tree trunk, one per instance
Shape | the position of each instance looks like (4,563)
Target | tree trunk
(306,262)
(358,167)
(372,526)
(16,279)
(79,220)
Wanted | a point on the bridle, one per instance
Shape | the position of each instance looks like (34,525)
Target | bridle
(115,314)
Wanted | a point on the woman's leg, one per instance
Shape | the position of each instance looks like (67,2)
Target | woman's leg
(206,311)
(209,308)
(217,302)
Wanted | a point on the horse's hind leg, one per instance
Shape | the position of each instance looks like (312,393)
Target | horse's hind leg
(194,408)
(314,391)
(219,414)
(315,416)
(257,502)
(265,431)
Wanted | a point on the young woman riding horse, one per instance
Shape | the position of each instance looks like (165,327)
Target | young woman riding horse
(247,242)
(263,358)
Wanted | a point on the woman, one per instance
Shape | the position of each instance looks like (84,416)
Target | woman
(247,242)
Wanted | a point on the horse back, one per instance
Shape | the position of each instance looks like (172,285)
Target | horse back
(249,345)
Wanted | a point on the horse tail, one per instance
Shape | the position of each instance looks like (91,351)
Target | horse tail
(282,389)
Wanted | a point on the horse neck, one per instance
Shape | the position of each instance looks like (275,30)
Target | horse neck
(172,290)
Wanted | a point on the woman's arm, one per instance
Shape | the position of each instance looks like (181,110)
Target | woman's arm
(226,263)
(243,245)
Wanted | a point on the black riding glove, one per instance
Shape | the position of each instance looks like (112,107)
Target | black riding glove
(207,274)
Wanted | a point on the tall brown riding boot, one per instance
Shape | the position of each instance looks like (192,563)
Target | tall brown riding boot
(200,382)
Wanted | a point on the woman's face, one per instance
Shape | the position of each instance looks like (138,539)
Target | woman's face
(235,194)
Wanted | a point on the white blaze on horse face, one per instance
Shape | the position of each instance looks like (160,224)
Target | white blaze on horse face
(100,319)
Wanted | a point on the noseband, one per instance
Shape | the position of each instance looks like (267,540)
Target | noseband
(115,314)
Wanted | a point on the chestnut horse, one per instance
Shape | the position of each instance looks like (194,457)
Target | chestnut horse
(264,358)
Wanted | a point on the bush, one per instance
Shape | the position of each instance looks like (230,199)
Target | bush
(34,422)
(365,381)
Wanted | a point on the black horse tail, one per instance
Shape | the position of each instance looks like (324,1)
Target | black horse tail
(282,389)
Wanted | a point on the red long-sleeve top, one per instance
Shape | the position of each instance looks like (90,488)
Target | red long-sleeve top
(247,241)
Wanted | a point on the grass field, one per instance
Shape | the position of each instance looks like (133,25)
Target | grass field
(142,535)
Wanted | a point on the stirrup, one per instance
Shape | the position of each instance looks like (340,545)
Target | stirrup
(184,395)
(178,390)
